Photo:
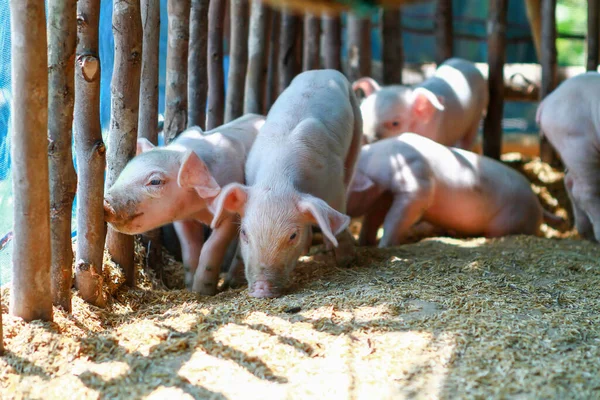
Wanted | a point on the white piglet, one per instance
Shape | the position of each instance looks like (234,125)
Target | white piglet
(297,173)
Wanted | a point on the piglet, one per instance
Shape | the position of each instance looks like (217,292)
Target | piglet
(297,173)
(446,108)
(569,118)
(406,179)
(180,182)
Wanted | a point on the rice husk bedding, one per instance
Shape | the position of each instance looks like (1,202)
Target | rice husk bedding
(515,317)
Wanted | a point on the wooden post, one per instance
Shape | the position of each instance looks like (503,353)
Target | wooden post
(359,47)
(238,60)
(272,89)
(148,117)
(91,157)
(332,31)
(549,70)
(593,34)
(216,90)
(392,47)
(31,296)
(492,136)
(256,76)
(177,57)
(311,58)
(443,30)
(125,91)
(197,64)
(1,332)
(533,8)
(289,46)
(62,35)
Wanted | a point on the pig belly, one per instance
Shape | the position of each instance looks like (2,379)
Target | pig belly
(464,213)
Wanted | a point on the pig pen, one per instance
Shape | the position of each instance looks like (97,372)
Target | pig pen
(442,318)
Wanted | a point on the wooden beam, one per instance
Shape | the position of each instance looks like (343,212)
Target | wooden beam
(258,57)
(332,32)
(392,46)
(272,89)
(289,46)
(359,47)
(238,60)
(197,64)
(492,127)
(593,34)
(312,42)
(443,30)
(216,89)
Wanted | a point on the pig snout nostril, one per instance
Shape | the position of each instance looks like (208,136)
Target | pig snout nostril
(263,289)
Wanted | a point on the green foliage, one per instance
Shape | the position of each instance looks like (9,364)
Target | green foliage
(571,18)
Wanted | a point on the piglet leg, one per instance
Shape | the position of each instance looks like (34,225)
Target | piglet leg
(211,258)
(374,219)
(191,237)
(236,275)
(406,210)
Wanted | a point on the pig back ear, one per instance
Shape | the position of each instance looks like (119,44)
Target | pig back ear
(233,198)
(194,174)
(367,85)
(361,182)
(426,103)
(143,145)
(316,211)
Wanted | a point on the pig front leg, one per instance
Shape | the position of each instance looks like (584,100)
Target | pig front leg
(236,274)
(406,210)
(191,238)
(374,219)
(209,266)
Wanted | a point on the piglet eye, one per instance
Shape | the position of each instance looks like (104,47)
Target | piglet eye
(395,123)
(243,235)
(156,182)
(293,236)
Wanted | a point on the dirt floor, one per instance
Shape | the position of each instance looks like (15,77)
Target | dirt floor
(515,317)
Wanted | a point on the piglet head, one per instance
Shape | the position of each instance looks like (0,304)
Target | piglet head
(274,231)
(158,186)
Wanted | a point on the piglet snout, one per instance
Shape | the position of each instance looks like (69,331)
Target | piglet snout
(263,289)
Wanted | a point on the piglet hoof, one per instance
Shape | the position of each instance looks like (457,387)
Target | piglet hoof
(205,288)
(345,253)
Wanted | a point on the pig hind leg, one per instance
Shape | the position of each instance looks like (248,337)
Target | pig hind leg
(406,210)
(374,219)
(585,198)
(355,145)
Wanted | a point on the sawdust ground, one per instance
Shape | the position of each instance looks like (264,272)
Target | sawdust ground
(515,317)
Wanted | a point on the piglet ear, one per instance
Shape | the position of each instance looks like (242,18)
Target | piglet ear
(426,103)
(367,85)
(232,198)
(143,145)
(194,174)
(361,182)
(316,211)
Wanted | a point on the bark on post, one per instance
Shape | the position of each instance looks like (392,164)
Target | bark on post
(333,42)
(492,128)
(443,30)
(1,332)
(593,34)
(176,106)
(392,47)
(62,35)
(31,296)
(272,89)
(254,91)
(125,91)
(197,67)
(91,153)
(359,47)
(238,60)
(216,90)
(533,8)
(289,46)
(148,116)
(311,58)
(549,69)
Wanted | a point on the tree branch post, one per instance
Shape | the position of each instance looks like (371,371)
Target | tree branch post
(492,127)
(216,89)
(238,60)
(311,58)
(443,30)
(197,64)
(289,45)
(332,31)
(593,34)
(125,91)
(258,57)
(31,295)
(272,89)
(359,47)
(91,157)
(392,46)
(62,36)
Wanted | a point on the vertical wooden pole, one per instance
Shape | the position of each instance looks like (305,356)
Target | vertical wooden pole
(31,296)
(238,60)
(1,331)
(443,30)
(359,47)
(125,92)
(148,118)
(392,47)
(91,156)
(332,31)
(312,42)
(593,34)
(533,8)
(197,64)
(176,106)
(289,46)
(492,136)
(256,76)
(216,90)
(62,36)
(272,89)
(549,69)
